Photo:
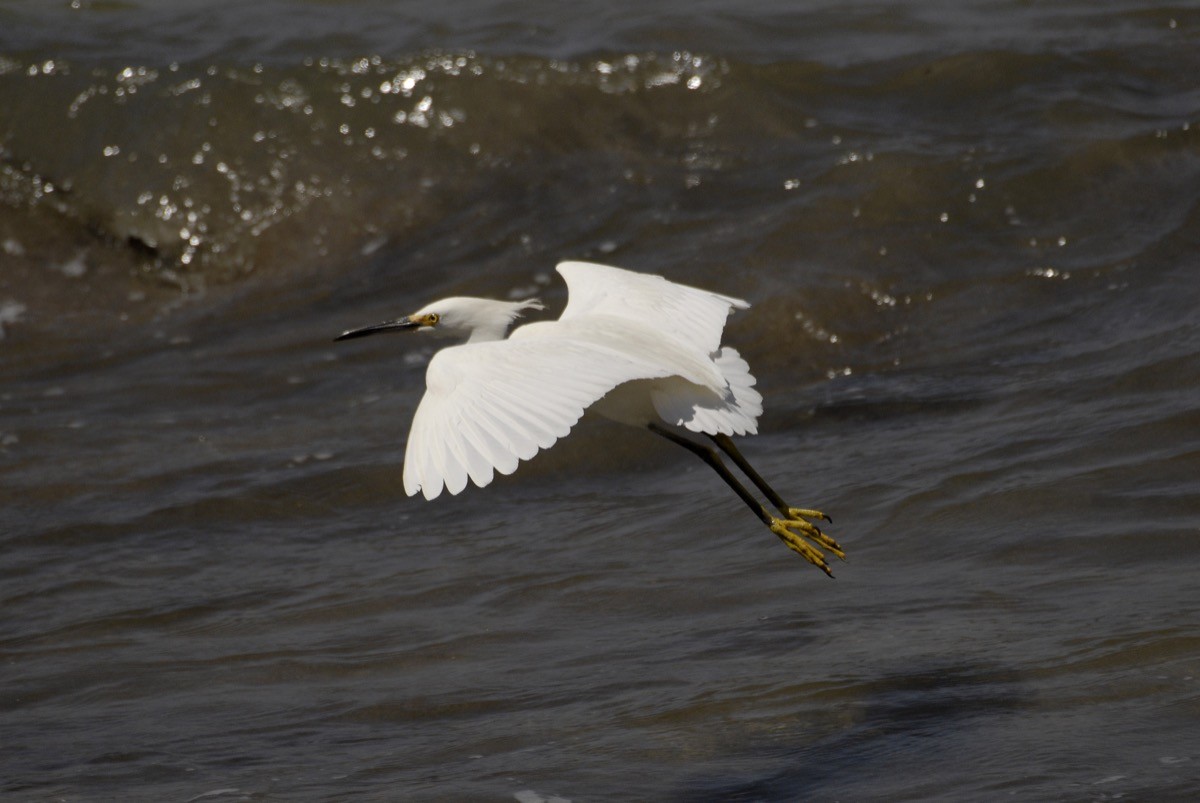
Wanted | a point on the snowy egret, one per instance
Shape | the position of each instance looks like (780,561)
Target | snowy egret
(634,347)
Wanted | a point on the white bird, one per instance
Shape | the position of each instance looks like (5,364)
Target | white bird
(634,347)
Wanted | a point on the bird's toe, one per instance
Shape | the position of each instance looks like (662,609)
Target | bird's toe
(793,533)
(806,513)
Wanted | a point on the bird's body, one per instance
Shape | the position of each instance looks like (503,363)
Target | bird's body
(635,348)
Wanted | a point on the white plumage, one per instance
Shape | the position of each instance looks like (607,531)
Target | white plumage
(636,348)
(490,404)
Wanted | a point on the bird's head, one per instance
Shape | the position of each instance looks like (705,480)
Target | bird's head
(471,319)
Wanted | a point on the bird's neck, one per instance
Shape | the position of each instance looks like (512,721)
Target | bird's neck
(484,334)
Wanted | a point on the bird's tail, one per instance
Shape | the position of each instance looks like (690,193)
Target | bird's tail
(697,408)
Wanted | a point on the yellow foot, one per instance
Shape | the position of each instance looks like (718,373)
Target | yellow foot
(796,528)
(813,531)
(805,513)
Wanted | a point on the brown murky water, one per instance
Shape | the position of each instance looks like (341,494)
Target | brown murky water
(970,236)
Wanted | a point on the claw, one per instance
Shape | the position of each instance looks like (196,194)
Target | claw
(787,529)
(797,519)
(805,513)
(797,544)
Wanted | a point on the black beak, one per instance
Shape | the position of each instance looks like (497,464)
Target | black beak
(398,325)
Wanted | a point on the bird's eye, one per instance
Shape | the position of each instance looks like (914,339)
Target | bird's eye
(432,318)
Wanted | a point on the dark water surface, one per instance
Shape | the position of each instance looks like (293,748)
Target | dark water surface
(970,233)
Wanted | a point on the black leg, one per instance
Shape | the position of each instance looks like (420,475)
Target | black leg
(727,446)
(711,457)
(791,529)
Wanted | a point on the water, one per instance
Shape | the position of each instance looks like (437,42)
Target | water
(969,232)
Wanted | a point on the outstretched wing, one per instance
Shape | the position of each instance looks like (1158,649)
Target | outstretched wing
(489,405)
(688,314)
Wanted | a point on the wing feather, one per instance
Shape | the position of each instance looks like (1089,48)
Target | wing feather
(489,405)
(491,448)
(531,422)
(688,314)
(510,428)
